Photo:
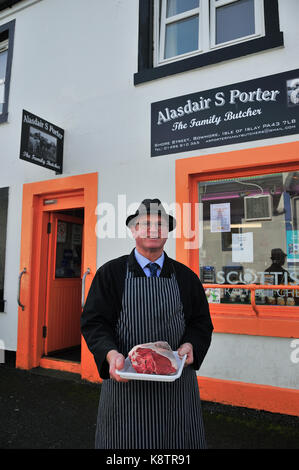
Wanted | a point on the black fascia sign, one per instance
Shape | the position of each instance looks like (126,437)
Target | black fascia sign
(41,142)
(252,110)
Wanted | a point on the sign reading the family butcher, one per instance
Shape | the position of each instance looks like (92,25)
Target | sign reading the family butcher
(252,110)
(41,142)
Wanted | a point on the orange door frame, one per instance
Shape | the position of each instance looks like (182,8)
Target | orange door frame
(70,192)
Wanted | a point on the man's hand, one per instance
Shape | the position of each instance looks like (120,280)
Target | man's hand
(116,361)
(186,348)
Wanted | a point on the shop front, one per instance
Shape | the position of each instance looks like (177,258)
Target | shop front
(198,106)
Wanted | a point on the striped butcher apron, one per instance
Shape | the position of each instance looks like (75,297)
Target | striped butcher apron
(145,414)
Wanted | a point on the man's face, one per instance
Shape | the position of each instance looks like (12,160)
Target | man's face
(150,232)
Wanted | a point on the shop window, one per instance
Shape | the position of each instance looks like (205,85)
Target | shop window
(180,35)
(6,49)
(3,224)
(250,236)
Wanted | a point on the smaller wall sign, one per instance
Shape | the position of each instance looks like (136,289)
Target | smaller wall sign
(41,142)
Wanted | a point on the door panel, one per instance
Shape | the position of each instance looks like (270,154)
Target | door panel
(63,302)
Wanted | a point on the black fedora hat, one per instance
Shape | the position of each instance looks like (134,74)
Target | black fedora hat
(148,207)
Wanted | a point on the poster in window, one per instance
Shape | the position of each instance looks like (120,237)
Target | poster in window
(292,246)
(220,217)
(242,247)
(213,296)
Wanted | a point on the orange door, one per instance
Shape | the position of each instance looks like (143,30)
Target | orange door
(63,298)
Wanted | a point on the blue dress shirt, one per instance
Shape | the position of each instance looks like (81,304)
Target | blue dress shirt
(142,261)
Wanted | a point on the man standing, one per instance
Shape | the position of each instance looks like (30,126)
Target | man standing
(139,298)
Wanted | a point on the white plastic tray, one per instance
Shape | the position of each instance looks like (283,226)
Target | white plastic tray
(128,372)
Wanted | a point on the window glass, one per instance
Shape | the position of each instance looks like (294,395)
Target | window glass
(174,7)
(68,249)
(3,224)
(250,235)
(235,20)
(3,62)
(181,37)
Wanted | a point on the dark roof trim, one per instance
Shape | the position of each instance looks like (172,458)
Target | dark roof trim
(8,3)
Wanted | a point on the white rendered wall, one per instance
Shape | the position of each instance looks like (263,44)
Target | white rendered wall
(73,64)
(253,359)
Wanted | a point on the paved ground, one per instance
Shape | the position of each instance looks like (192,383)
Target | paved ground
(50,410)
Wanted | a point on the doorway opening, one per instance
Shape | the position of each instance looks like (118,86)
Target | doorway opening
(63,305)
(57,265)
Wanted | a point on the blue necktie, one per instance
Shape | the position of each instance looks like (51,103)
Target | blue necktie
(153,267)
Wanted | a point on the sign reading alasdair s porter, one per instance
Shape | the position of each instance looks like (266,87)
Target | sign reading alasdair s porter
(41,142)
(252,110)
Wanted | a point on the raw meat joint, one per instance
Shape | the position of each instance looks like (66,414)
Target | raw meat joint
(153,358)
